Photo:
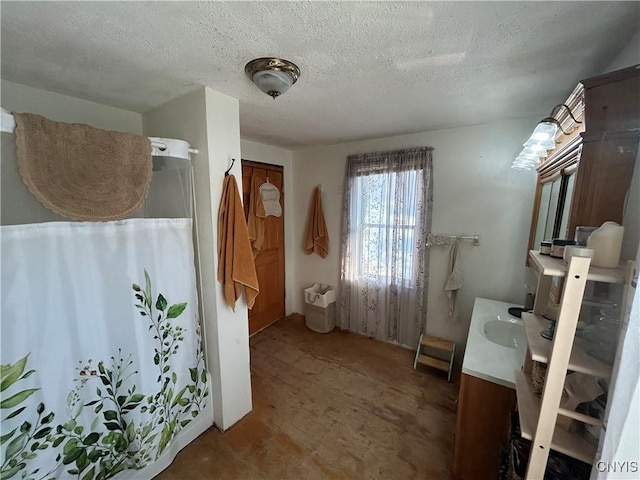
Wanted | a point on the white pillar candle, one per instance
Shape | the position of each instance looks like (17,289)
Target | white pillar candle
(606,242)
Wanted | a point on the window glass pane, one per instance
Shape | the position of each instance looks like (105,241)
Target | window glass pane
(388,205)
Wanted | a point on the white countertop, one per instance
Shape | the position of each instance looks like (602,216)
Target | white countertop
(485,359)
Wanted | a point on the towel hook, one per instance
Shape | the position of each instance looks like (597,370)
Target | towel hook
(226,174)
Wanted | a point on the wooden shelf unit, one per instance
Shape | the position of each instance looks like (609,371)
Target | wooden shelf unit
(563,441)
(556,267)
(540,349)
(538,416)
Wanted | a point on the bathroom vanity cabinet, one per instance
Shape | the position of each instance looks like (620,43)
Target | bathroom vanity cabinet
(482,426)
(585,180)
(487,396)
(538,415)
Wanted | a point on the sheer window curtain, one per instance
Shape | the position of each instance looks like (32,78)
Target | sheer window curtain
(385,259)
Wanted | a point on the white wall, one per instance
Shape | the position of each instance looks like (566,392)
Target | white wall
(259,152)
(209,121)
(630,55)
(223,127)
(475,191)
(55,106)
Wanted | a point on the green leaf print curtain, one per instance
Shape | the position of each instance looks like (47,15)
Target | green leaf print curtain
(102,370)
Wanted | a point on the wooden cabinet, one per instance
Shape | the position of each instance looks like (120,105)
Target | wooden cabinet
(613,100)
(482,426)
(593,165)
(538,416)
(603,179)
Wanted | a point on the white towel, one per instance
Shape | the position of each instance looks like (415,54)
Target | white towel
(271,199)
(454,282)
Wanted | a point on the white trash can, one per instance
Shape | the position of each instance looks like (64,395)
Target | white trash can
(320,308)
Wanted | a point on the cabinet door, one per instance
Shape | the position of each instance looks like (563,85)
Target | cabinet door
(554,210)
(555,195)
(603,178)
(482,427)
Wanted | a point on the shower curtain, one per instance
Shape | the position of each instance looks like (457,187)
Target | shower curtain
(102,364)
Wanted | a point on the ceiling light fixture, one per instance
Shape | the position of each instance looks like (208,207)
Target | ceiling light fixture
(273,76)
(541,140)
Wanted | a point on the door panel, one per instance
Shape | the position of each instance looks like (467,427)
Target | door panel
(269,306)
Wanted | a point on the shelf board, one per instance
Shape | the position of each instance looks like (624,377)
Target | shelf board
(556,267)
(569,443)
(433,362)
(437,343)
(540,349)
(581,417)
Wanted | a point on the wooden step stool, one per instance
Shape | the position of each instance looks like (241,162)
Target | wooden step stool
(437,344)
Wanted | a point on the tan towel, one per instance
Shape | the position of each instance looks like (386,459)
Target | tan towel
(82,172)
(454,281)
(317,238)
(256,217)
(236,267)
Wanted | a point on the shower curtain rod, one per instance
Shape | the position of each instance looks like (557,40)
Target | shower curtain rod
(160,145)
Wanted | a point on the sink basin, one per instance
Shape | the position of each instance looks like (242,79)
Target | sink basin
(506,333)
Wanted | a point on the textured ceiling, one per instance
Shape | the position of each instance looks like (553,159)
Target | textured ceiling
(368,69)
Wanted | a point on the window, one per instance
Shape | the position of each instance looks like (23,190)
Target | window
(385,261)
(386,225)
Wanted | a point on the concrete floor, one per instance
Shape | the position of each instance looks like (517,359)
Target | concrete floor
(333,406)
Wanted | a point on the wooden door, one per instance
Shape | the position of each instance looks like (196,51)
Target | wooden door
(269,306)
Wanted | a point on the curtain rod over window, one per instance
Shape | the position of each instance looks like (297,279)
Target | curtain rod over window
(160,147)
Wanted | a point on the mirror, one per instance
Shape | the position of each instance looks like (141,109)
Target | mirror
(542,214)
(569,181)
(555,206)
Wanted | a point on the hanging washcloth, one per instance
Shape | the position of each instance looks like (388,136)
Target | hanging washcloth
(82,172)
(270,196)
(236,267)
(317,237)
(454,281)
(255,221)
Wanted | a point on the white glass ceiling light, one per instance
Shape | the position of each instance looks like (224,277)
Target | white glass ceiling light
(544,134)
(518,165)
(537,150)
(273,76)
(529,158)
(542,139)
(526,162)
